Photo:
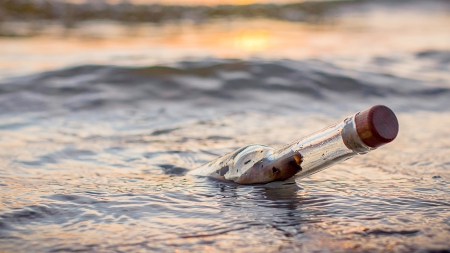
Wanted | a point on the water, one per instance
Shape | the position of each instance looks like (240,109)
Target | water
(94,157)
(356,37)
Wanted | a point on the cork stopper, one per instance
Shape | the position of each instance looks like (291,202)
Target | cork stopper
(376,126)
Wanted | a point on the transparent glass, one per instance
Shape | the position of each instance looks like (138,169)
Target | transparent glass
(325,148)
(261,164)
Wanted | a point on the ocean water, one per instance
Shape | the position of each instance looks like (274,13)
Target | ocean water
(94,158)
(100,123)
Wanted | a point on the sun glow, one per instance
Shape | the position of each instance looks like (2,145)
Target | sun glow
(252,40)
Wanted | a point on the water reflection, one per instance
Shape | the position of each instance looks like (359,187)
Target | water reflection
(355,206)
(52,46)
(253,41)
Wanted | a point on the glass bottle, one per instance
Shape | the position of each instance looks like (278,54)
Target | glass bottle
(357,134)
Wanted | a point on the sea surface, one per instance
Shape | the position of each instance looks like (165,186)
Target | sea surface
(93,157)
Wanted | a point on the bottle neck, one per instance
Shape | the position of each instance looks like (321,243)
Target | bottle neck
(351,138)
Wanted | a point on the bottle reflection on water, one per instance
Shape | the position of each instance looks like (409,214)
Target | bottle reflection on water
(357,134)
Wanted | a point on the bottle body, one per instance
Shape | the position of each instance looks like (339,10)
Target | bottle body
(250,165)
(326,147)
(357,134)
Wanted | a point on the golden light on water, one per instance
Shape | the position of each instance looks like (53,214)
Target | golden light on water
(143,44)
(252,40)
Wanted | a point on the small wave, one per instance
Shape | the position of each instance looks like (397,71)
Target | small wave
(217,83)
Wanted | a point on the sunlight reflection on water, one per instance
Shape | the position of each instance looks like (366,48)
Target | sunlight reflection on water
(147,44)
(82,189)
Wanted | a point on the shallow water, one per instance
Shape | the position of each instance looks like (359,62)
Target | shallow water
(94,157)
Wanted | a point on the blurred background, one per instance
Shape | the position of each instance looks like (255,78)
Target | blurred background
(37,35)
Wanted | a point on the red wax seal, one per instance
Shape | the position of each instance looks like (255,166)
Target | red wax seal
(376,126)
